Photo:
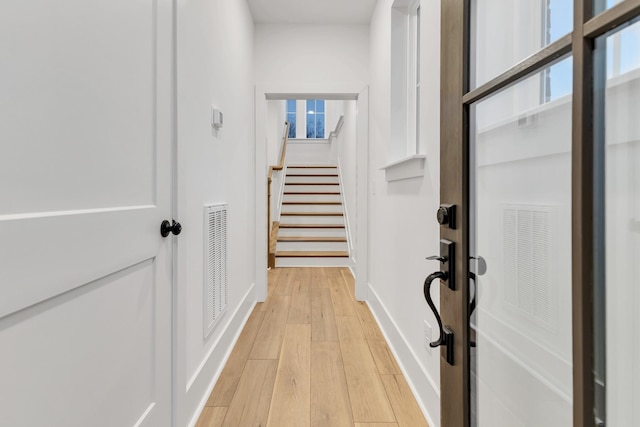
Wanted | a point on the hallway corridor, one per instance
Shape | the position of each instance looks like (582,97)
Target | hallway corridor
(311,356)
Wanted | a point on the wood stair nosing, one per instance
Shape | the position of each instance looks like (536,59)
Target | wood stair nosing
(311,167)
(311,225)
(312,175)
(311,214)
(311,193)
(312,254)
(311,183)
(311,203)
(311,239)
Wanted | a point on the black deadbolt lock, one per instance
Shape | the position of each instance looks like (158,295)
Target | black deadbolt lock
(447,215)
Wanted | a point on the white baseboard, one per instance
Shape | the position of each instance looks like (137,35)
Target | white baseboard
(219,354)
(424,388)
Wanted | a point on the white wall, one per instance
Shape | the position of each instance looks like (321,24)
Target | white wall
(277,116)
(345,146)
(402,225)
(310,152)
(214,166)
(308,55)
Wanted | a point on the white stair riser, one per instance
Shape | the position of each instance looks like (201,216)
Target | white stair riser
(289,219)
(311,246)
(311,188)
(312,262)
(291,179)
(311,208)
(312,198)
(310,171)
(311,232)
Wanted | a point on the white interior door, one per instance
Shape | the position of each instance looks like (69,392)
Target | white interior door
(85,277)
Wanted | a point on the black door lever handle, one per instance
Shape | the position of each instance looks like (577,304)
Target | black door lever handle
(436,258)
(446,336)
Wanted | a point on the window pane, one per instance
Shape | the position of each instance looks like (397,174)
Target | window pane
(521,325)
(319,106)
(291,118)
(602,5)
(319,125)
(291,106)
(506,32)
(418,46)
(311,125)
(617,296)
(311,106)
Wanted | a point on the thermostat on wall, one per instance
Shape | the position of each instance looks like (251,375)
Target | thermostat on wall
(217,118)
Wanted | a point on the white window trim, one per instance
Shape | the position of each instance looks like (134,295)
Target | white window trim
(405,143)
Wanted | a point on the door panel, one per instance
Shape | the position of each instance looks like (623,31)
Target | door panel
(78,86)
(91,349)
(617,367)
(520,175)
(505,33)
(85,181)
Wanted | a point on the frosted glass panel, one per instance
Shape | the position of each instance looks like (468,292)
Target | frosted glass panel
(506,32)
(521,373)
(622,226)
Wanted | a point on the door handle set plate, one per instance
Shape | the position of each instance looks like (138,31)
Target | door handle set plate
(447,275)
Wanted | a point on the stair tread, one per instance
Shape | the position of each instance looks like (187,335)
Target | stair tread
(311,214)
(311,239)
(311,225)
(311,175)
(311,193)
(312,166)
(311,183)
(308,254)
(311,203)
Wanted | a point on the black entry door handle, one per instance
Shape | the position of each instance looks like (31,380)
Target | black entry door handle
(446,336)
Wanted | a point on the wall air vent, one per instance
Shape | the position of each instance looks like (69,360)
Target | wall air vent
(215,265)
(528,263)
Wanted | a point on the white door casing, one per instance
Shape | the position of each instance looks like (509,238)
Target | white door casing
(362,195)
(333,91)
(85,181)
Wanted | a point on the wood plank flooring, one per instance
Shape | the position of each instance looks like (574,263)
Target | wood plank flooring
(311,356)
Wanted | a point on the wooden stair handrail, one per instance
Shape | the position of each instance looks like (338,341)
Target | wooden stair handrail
(283,152)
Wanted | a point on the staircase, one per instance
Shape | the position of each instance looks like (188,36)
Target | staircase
(312,227)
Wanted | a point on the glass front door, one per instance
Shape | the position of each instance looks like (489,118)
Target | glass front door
(540,157)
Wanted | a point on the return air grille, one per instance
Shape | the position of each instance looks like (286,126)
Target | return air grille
(215,265)
(528,241)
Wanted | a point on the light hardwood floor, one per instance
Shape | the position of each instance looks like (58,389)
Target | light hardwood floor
(311,355)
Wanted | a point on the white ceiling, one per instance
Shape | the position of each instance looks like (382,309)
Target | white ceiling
(312,11)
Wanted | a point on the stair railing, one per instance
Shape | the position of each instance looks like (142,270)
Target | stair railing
(334,133)
(272,229)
